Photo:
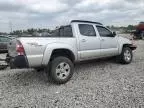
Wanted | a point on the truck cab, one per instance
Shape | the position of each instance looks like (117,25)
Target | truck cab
(95,40)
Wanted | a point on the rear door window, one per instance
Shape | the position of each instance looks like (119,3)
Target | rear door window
(87,30)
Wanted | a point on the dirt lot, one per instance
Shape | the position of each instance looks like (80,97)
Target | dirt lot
(102,84)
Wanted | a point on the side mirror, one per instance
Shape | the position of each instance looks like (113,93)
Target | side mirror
(114,34)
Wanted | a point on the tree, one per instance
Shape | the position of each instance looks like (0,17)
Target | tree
(131,27)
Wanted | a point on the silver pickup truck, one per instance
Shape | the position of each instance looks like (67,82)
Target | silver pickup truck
(79,41)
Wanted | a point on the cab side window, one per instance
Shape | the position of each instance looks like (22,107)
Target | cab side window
(104,32)
(87,30)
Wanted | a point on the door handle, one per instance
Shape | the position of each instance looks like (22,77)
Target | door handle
(83,40)
(102,40)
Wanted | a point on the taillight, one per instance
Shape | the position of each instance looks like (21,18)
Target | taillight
(20,48)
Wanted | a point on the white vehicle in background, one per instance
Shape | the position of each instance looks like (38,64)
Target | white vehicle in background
(79,41)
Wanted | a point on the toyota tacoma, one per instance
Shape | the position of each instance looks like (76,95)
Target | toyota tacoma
(57,53)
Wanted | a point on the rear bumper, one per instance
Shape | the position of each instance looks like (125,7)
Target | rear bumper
(18,62)
(3,51)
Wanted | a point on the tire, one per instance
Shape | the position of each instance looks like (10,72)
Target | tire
(61,70)
(12,66)
(142,35)
(2,67)
(126,55)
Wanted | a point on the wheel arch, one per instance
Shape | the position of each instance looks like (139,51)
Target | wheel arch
(63,52)
(58,48)
(130,46)
(127,45)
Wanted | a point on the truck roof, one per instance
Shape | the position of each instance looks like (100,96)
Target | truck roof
(86,22)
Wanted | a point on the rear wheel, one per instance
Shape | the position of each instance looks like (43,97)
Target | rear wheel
(61,70)
(126,55)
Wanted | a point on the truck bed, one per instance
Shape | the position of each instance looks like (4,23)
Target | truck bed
(35,47)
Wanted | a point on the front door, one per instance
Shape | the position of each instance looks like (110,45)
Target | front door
(109,43)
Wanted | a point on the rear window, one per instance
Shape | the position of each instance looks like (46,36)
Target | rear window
(65,31)
(55,33)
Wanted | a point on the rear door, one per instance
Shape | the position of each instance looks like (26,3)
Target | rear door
(89,42)
(109,43)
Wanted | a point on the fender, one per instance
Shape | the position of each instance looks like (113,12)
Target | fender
(123,41)
(52,46)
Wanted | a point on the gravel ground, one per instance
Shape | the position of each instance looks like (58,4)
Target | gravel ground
(95,84)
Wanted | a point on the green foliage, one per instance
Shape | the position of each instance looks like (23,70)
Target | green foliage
(30,31)
(131,27)
(123,29)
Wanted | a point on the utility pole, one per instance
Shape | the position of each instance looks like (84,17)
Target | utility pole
(10,25)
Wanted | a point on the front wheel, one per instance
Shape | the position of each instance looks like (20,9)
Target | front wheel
(126,55)
(142,35)
(61,70)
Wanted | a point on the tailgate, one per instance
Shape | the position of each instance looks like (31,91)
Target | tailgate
(3,46)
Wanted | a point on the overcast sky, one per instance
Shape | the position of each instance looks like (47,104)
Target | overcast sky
(25,14)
